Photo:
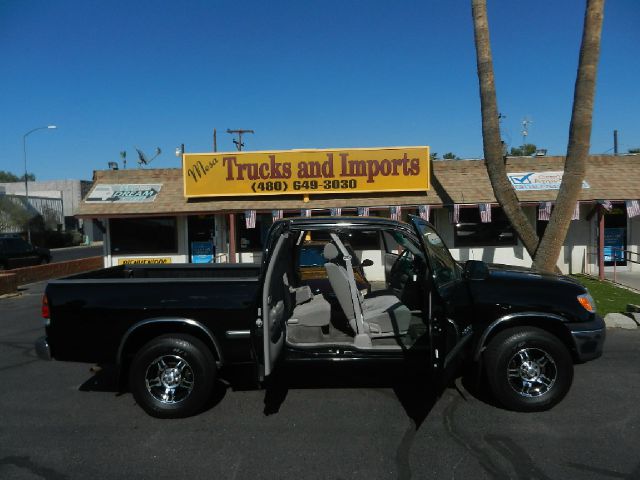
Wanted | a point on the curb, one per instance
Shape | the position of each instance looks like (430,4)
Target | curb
(620,320)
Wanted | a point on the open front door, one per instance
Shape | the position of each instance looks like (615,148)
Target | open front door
(449,305)
(274,304)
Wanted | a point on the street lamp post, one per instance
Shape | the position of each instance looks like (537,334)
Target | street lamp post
(26,181)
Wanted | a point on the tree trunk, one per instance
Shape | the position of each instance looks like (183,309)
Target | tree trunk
(579,139)
(492,143)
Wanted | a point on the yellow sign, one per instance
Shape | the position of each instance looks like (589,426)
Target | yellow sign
(306,172)
(143,261)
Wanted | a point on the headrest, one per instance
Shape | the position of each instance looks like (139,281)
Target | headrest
(330,252)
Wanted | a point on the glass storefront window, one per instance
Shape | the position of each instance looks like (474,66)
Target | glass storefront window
(143,235)
(471,232)
(252,239)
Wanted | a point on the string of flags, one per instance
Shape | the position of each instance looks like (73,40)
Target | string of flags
(544,210)
(454,214)
(250,218)
(424,211)
(576,212)
(606,204)
(633,208)
(485,212)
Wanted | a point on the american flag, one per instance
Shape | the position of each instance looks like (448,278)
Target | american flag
(276,215)
(606,204)
(454,214)
(396,213)
(485,212)
(424,212)
(633,208)
(576,212)
(250,218)
(305,212)
(544,210)
(363,211)
(336,211)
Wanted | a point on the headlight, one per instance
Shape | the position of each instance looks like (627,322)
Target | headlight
(586,300)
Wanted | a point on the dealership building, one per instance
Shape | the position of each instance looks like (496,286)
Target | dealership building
(219,206)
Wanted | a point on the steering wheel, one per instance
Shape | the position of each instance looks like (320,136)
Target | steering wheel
(401,271)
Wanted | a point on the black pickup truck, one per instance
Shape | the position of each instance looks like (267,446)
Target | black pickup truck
(171,329)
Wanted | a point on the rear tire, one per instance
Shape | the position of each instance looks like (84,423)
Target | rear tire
(528,369)
(172,376)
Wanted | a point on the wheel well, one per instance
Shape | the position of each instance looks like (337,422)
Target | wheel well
(147,332)
(554,327)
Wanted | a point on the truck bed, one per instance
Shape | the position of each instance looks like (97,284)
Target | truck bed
(90,312)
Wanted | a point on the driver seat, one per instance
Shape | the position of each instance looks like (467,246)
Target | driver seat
(383,315)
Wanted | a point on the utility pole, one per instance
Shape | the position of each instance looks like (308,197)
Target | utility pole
(615,142)
(239,132)
(525,130)
(232,216)
(215,140)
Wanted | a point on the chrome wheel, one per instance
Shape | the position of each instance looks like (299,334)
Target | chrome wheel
(531,372)
(169,379)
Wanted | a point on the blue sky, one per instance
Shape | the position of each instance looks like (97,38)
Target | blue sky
(115,75)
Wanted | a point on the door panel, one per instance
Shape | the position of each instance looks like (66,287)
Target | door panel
(451,306)
(275,304)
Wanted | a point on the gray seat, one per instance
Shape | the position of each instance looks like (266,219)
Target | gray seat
(382,316)
(310,310)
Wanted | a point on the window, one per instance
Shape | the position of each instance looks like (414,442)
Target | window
(143,235)
(471,232)
(252,239)
(364,239)
(445,268)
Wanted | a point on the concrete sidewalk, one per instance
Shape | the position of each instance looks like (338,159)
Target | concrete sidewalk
(628,279)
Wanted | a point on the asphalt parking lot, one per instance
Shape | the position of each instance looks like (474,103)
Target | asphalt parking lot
(56,422)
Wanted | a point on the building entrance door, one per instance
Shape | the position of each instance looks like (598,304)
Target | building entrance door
(201,234)
(615,236)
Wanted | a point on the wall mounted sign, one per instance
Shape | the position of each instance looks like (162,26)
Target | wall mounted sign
(144,261)
(124,193)
(306,172)
(202,252)
(538,180)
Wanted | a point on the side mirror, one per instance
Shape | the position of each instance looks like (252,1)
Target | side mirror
(366,263)
(476,270)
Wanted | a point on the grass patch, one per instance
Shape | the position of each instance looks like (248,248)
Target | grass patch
(608,297)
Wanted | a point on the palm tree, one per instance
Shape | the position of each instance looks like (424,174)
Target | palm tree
(579,139)
(492,143)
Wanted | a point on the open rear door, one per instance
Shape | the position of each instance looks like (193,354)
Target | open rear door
(274,305)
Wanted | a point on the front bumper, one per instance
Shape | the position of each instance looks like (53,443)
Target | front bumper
(42,349)
(588,338)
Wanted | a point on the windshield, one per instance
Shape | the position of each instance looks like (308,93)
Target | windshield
(445,268)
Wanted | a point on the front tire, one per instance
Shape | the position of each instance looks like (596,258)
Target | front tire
(173,376)
(528,369)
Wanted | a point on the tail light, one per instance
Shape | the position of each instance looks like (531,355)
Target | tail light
(45,307)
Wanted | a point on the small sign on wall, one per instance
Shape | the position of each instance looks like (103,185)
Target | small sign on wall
(202,252)
(144,261)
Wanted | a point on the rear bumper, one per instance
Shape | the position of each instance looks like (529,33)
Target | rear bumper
(42,349)
(588,338)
